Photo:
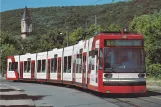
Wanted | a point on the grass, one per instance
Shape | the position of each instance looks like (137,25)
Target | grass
(152,81)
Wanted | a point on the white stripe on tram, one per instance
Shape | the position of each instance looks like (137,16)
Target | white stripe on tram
(125,79)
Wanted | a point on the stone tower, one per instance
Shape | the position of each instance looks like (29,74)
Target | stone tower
(26,26)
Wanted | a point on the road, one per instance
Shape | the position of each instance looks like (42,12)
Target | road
(47,95)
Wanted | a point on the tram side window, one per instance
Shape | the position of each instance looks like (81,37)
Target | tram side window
(52,65)
(39,66)
(29,65)
(90,61)
(43,65)
(13,66)
(101,59)
(10,66)
(77,63)
(80,63)
(25,66)
(65,64)
(69,64)
(93,59)
(55,64)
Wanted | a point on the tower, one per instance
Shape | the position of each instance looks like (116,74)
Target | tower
(26,26)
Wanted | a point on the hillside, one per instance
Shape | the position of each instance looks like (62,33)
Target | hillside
(49,18)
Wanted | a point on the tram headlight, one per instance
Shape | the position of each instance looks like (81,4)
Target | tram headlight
(108,75)
(108,91)
(141,75)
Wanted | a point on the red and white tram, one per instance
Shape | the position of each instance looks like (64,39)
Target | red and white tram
(110,62)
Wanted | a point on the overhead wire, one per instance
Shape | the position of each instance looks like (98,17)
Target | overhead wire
(98,8)
(95,2)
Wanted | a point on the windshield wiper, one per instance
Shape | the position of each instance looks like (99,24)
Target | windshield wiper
(109,70)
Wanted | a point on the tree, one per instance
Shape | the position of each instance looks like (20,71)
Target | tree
(76,35)
(149,26)
(114,27)
(7,50)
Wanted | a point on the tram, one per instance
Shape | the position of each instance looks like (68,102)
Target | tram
(109,62)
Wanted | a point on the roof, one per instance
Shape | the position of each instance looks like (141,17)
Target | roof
(26,15)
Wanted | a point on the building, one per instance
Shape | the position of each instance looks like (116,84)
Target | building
(26,25)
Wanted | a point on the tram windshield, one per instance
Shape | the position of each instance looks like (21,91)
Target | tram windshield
(124,59)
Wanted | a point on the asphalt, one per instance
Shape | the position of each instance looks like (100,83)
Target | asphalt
(41,95)
(12,96)
(46,95)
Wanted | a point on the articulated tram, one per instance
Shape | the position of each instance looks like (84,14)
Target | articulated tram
(109,62)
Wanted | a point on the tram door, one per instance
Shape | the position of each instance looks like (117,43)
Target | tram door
(74,69)
(48,69)
(32,69)
(21,70)
(59,69)
(84,70)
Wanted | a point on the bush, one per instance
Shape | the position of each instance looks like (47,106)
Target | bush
(154,70)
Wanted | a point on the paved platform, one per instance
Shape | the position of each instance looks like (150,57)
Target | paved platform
(13,96)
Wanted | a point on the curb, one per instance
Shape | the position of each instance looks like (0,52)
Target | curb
(154,88)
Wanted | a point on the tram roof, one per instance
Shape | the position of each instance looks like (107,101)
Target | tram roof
(118,33)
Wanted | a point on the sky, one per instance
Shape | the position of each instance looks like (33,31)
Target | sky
(16,4)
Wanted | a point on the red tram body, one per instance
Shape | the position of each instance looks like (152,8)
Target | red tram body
(110,62)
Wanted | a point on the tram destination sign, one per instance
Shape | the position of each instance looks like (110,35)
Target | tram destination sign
(123,42)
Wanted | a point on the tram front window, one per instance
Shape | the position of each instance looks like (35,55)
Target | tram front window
(124,60)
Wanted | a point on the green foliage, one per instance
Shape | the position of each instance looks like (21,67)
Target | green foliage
(76,35)
(149,26)
(7,50)
(92,31)
(114,27)
(154,70)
